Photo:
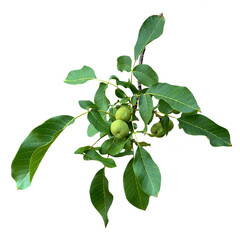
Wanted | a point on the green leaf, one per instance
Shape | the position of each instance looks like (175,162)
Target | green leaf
(201,125)
(151,29)
(80,76)
(164,107)
(91,130)
(133,192)
(145,75)
(116,146)
(81,150)
(98,122)
(145,108)
(101,198)
(147,172)
(179,98)
(105,145)
(113,112)
(120,93)
(165,123)
(124,100)
(93,155)
(113,77)
(127,85)
(124,153)
(86,104)
(144,144)
(100,98)
(34,147)
(124,63)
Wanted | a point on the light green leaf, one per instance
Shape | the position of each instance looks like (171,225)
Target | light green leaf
(93,155)
(124,63)
(151,29)
(179,98)
(98,122)
(91,130)
(101,198)
(147,172)
(133,192)
(127,85)
(200,125)
(34,147)
(145,107)
(86,104)
(100,98)
(145,75)
(80,76)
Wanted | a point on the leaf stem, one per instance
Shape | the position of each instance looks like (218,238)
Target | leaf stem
(98,140)
(106,113)
(107,82)
(74,119)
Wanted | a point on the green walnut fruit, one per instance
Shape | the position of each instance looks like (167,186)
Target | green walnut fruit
(123,113)
(157,130)
(119,129)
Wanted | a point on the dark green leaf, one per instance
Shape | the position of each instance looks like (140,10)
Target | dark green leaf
(93,155)
(120,93)
(80,76)
(100,98)
(201,125)
(91,130)
(114,77)
(86,104)
(179,98)
(81,150)
(113,112)
(151,29)
(165,122)
(145,107)
(133,192)
(133,100)
(124,63)
(145,75)
(124,153)
(105,145)
(127,85)
(100,196)
(34,147)
(116,146)
(147,172)
(98,122)
(144,144)
(124,100)
(164,107)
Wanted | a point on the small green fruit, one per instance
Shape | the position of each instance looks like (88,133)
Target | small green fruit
(123,113)
(119,129)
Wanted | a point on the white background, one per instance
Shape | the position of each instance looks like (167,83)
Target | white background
(41,41)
